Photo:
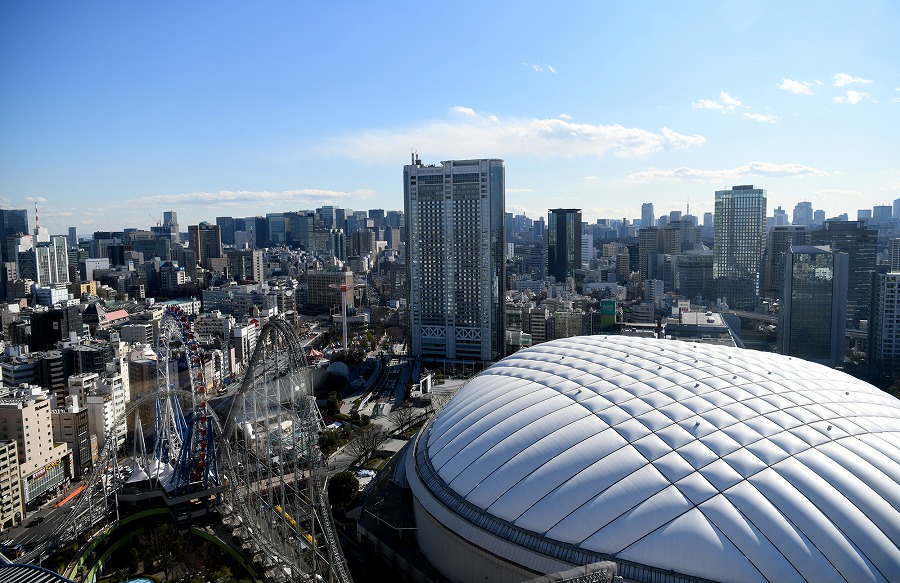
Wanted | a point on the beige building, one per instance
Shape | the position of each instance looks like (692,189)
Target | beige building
(45,466)
(12,509)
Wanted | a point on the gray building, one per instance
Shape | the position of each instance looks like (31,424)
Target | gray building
(456,258)
(739,231)
(814,304)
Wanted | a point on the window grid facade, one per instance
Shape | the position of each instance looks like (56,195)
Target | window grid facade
(455,233)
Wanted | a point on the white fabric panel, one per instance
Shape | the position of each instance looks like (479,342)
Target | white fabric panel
(635,523)
(798,509)
(696,488)
(745,536)
(676,546)
(492,453)
(673,466)
(568,440)
(846,515)
(577,490)
(496,426)
(555,472)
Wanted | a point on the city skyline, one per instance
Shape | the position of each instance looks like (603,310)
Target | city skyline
(113,115)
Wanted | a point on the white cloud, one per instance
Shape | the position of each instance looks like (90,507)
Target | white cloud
(725,103)
(485,135)
(518,190)
(468,111)
(707,104)
(760,117)
(540,68)
(250,198)
(796,87)
(565,117)
(591,177)
(842,79)
(764,169)
(851,97)
(35,199)
(895,100)
(730,101)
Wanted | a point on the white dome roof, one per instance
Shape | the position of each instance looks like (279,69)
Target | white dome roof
(715,462)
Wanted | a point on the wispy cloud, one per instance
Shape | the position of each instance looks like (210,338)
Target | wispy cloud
(851,97)
(471,133)
(565,117)
(35,199)
(538,68)
(730,105)
(725,103)
(284,199)
(518,190)
(760,117)
(842,79)
(797,87)
(764,169)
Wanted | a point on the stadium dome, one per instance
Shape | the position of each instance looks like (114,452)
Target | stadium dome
(679,461)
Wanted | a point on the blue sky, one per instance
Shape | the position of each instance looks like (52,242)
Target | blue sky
(111,113)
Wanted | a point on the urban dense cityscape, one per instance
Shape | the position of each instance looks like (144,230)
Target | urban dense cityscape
(573,292)
(447,286)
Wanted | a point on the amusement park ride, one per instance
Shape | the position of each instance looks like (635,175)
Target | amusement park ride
(259,468)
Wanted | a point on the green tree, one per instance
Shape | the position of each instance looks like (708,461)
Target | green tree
(343,488)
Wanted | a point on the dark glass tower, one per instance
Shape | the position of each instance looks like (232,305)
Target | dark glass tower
(860,244)
(563,243)
(813,304)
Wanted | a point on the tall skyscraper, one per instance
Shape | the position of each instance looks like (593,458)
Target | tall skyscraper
(72,238)
(860,243)
(226,227)
(563,243)
(884,330)
(814,304)
(739,227)
(456,258)
(206,242)
(648,219)
(13,222)
(170,222)
(778,243)
(803,214)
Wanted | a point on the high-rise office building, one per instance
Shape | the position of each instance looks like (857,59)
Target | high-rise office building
(814,304)
(884,330)
(563,243)
(206,241)
(170,222)
(456,258)
(72,238)
(881,216)
(803,214)
(740,222)
(778,243)
(648,219)
(226,227)
(860,244)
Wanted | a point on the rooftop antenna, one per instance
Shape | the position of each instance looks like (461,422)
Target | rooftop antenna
(689,204)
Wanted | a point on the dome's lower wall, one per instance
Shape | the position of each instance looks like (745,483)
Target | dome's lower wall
(465,553)
(460,561)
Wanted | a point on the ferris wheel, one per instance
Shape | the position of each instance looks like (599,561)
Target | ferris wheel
(183,457)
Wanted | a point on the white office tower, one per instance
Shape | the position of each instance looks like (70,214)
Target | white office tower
(456,258)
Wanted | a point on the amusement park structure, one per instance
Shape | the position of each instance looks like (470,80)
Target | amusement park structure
(257,466)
